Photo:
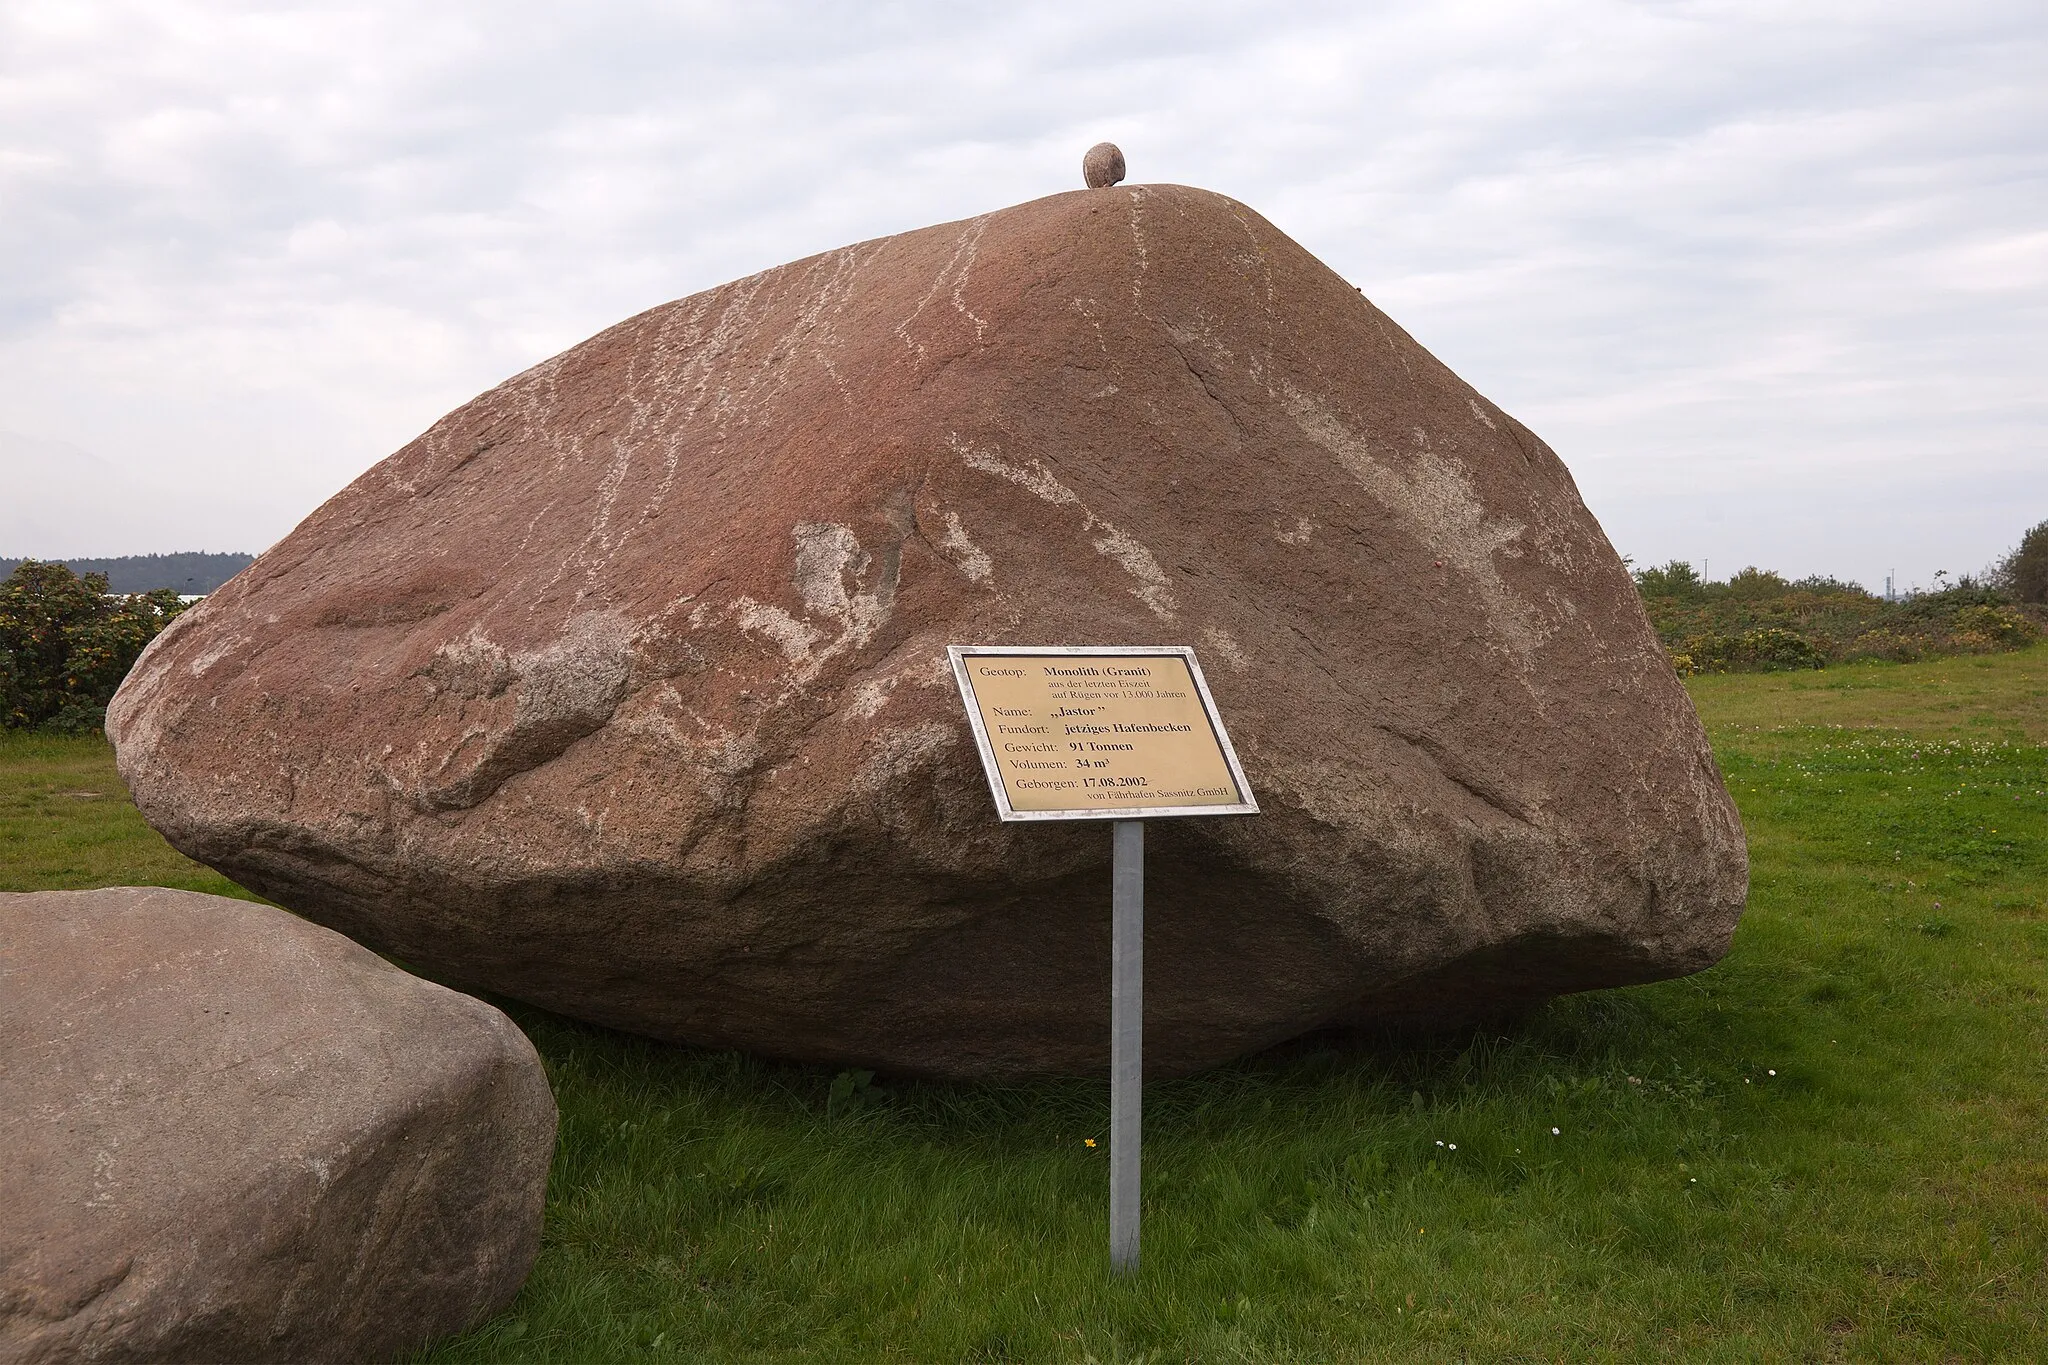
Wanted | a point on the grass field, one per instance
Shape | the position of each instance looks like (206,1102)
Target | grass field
(1827,1147)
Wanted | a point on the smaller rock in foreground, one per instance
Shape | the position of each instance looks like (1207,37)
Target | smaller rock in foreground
(229,1134)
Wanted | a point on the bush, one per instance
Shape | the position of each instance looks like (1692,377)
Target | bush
(1769,650)
(1676,579)
(2024,572)
(1829,584)
(1887,644)
(1753,582)
(1758,621)
(1997,627)
(1945,602)
(66,644)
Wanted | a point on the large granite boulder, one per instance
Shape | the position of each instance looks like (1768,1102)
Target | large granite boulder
(622,689)
(227,1134)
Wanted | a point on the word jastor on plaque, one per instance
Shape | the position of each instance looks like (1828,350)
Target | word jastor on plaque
(1074,733)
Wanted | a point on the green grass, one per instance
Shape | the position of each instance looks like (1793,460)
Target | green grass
(1827,1147)
(66,823)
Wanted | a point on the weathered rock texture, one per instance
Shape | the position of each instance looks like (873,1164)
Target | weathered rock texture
(622,690)
(227,1134)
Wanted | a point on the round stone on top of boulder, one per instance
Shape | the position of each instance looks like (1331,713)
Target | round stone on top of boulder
(227,1134)
(623,689)
(1102,165)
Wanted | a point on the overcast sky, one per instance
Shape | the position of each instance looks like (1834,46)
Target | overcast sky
(1772,278)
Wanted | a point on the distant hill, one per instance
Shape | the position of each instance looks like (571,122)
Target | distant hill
(185,573)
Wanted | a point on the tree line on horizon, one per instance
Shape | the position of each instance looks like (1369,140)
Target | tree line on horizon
(190,573)
(1758,621)
(69,634)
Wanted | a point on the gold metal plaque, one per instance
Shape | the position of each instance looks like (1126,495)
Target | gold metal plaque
(1099,733)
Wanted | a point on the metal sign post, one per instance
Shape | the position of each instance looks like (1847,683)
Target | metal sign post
(1099,733)
(1126,1037)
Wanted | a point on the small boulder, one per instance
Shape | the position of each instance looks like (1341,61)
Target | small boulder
(229,1134)
(1102,165)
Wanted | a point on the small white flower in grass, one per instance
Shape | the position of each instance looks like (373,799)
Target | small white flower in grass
(1553,1132)
(1774,1073)
(1439,1142)
(1454,1146)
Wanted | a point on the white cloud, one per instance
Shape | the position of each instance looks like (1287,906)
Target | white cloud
(1770,278)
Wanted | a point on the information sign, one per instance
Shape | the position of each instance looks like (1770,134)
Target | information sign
(1092,732)
(1099,732)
